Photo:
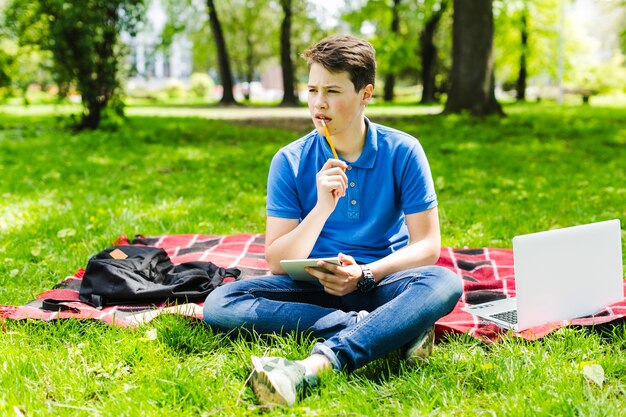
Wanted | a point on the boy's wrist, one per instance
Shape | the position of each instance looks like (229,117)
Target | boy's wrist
(320,210)
(367,283)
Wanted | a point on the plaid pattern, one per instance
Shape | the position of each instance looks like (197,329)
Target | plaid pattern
(487,275)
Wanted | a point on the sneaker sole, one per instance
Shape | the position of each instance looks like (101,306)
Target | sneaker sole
(262,385)
(423,350)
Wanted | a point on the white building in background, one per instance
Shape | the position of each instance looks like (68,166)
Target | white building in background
(153,67)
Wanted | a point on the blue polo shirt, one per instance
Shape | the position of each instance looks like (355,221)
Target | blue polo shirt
(391,178)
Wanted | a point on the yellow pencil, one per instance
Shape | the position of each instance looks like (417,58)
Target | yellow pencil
(330,142)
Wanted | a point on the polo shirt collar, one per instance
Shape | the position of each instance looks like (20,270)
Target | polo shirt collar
(370,148)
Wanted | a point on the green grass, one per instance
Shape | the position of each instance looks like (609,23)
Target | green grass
(67,195)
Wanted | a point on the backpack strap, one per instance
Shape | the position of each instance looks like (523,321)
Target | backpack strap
(97,301)
(51,304)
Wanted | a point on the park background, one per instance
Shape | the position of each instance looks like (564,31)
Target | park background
(131,117)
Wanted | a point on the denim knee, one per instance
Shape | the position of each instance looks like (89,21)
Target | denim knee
(214,310)
(453,283)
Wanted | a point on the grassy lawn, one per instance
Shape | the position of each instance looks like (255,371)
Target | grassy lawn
(67,195)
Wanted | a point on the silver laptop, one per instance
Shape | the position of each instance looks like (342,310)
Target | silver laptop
(560,274)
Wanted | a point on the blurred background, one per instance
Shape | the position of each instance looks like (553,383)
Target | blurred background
(104,56)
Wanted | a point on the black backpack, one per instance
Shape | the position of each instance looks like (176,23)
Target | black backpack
(146,275)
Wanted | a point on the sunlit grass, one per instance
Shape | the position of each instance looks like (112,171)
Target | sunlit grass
(67,195)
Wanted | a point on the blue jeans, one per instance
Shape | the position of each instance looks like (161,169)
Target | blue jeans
(401,307)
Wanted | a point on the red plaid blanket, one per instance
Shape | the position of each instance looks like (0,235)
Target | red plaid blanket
(487,275)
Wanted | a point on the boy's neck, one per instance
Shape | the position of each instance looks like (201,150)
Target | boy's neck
(350,143)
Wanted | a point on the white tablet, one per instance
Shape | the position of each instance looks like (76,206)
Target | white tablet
(295,267)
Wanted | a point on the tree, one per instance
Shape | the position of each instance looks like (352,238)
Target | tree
(222,56)
(289,96)
(428,52)
(305,30)
(395,28)
(252,21)
(390,77)
(6,57)
(525,42)
(247,24)
(520,85)
(6,62)
(83,38)
(472,78)
(22,66)
(190,19)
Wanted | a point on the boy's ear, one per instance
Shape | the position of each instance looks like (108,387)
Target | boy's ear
(367,93)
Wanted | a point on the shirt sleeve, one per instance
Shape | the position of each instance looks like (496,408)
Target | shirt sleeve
(418,189)
(282,196)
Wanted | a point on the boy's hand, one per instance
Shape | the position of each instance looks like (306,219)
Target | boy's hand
(331,184)
(340,279)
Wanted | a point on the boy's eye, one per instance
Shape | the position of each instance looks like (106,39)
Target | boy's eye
(333,91)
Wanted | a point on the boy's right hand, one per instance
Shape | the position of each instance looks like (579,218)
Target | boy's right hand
(332,183)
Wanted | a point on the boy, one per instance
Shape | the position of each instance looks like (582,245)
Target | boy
(375,208)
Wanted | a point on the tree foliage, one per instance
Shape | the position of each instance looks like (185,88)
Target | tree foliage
(398,31)
(79,41)
(389,26)
(251,30)
(539,20)
(83,39)
(189,18)
(251,18)
(21,66)
(248,28)
(594,61)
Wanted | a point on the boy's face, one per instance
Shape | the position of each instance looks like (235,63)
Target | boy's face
(332,98)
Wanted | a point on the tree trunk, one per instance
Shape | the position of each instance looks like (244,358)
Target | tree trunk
(222,56)
(390,85)
(390,78)
(429,55)
(520,86)
(249,66)
(472,78)
(289,96)
(97,92)
(91,118)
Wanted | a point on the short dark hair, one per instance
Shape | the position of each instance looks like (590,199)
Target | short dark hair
(345,53)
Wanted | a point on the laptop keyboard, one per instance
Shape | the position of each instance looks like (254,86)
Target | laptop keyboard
(507,316)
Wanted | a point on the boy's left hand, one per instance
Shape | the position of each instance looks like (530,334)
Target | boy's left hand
(341,279)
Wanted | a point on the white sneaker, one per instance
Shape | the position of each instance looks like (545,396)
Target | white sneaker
(421,347)
(279,381)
